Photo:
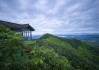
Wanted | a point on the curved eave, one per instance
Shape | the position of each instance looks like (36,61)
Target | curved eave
(30,27)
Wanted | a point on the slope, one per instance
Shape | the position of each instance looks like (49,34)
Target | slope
(82,55)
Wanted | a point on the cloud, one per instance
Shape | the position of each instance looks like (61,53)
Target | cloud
(49,6)
(53,16)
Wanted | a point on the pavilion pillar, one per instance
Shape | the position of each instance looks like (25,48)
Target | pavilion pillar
(31,35)
(25,34)
(22,32)
(28,34)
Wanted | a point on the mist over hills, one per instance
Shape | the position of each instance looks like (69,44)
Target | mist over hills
(89,38)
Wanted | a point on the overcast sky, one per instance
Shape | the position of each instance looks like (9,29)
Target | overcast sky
(53,16)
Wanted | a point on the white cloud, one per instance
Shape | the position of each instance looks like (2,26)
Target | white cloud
(56,8)
(24,4)
(41,5)
(44,6)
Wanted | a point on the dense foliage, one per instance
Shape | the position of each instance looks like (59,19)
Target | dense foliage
(47,53)
(10,49)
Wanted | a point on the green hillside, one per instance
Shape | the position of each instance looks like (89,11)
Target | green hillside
(46,53)
(81,55)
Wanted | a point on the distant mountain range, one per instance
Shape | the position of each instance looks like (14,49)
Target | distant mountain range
(90,38)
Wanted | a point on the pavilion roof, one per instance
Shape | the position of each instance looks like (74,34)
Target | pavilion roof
(16,26)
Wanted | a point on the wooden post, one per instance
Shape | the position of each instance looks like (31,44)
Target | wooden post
(22,33)
(26,34)
(31,35)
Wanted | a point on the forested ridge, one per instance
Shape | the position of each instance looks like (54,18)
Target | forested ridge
(46,53)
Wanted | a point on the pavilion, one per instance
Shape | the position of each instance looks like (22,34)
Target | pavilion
(24,29)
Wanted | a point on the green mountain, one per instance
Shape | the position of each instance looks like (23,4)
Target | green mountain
(81,55)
